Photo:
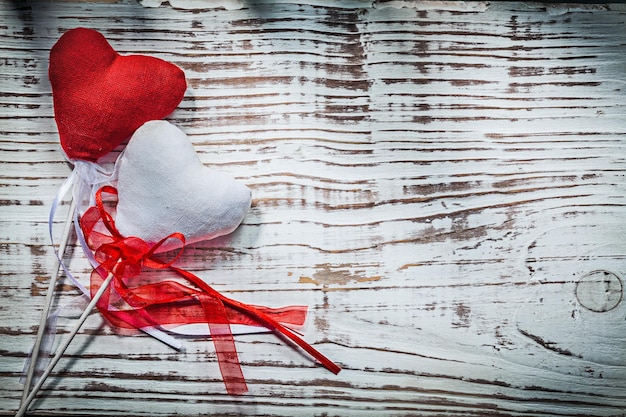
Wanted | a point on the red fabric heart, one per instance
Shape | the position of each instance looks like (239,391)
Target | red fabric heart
(101,97)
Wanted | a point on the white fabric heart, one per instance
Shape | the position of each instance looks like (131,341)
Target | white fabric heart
(163,188)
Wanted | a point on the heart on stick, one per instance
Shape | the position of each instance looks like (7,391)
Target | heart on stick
(163,188)
(101,97)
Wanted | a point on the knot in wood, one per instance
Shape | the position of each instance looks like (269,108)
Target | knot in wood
(599,291)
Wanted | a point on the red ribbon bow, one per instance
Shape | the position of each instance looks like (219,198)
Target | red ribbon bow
(170,302)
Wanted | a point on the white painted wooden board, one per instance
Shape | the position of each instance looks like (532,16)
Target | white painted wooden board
(442,183)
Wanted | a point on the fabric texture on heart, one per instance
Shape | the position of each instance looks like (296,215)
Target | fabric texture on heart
(101,97)
(164,188)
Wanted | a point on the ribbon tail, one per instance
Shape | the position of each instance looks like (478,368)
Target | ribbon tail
(274,325)
(43,357)
(262,318)
(224,342)
(67,185)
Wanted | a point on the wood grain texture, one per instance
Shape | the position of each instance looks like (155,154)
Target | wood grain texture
(433,179)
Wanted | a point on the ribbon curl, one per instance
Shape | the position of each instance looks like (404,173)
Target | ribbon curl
(171,302)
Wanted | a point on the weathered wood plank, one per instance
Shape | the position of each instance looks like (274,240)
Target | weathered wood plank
(433,179)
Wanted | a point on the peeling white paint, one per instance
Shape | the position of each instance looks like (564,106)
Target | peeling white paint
(196,4)
(465,6)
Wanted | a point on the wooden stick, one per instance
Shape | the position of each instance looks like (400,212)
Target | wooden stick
(63,347)
(46,308)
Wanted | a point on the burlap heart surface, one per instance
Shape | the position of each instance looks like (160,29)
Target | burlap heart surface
(101,97)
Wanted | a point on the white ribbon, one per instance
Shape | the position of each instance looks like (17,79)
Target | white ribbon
(84,180)
(88,178)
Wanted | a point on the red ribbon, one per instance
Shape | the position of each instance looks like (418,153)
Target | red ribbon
(127,305)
